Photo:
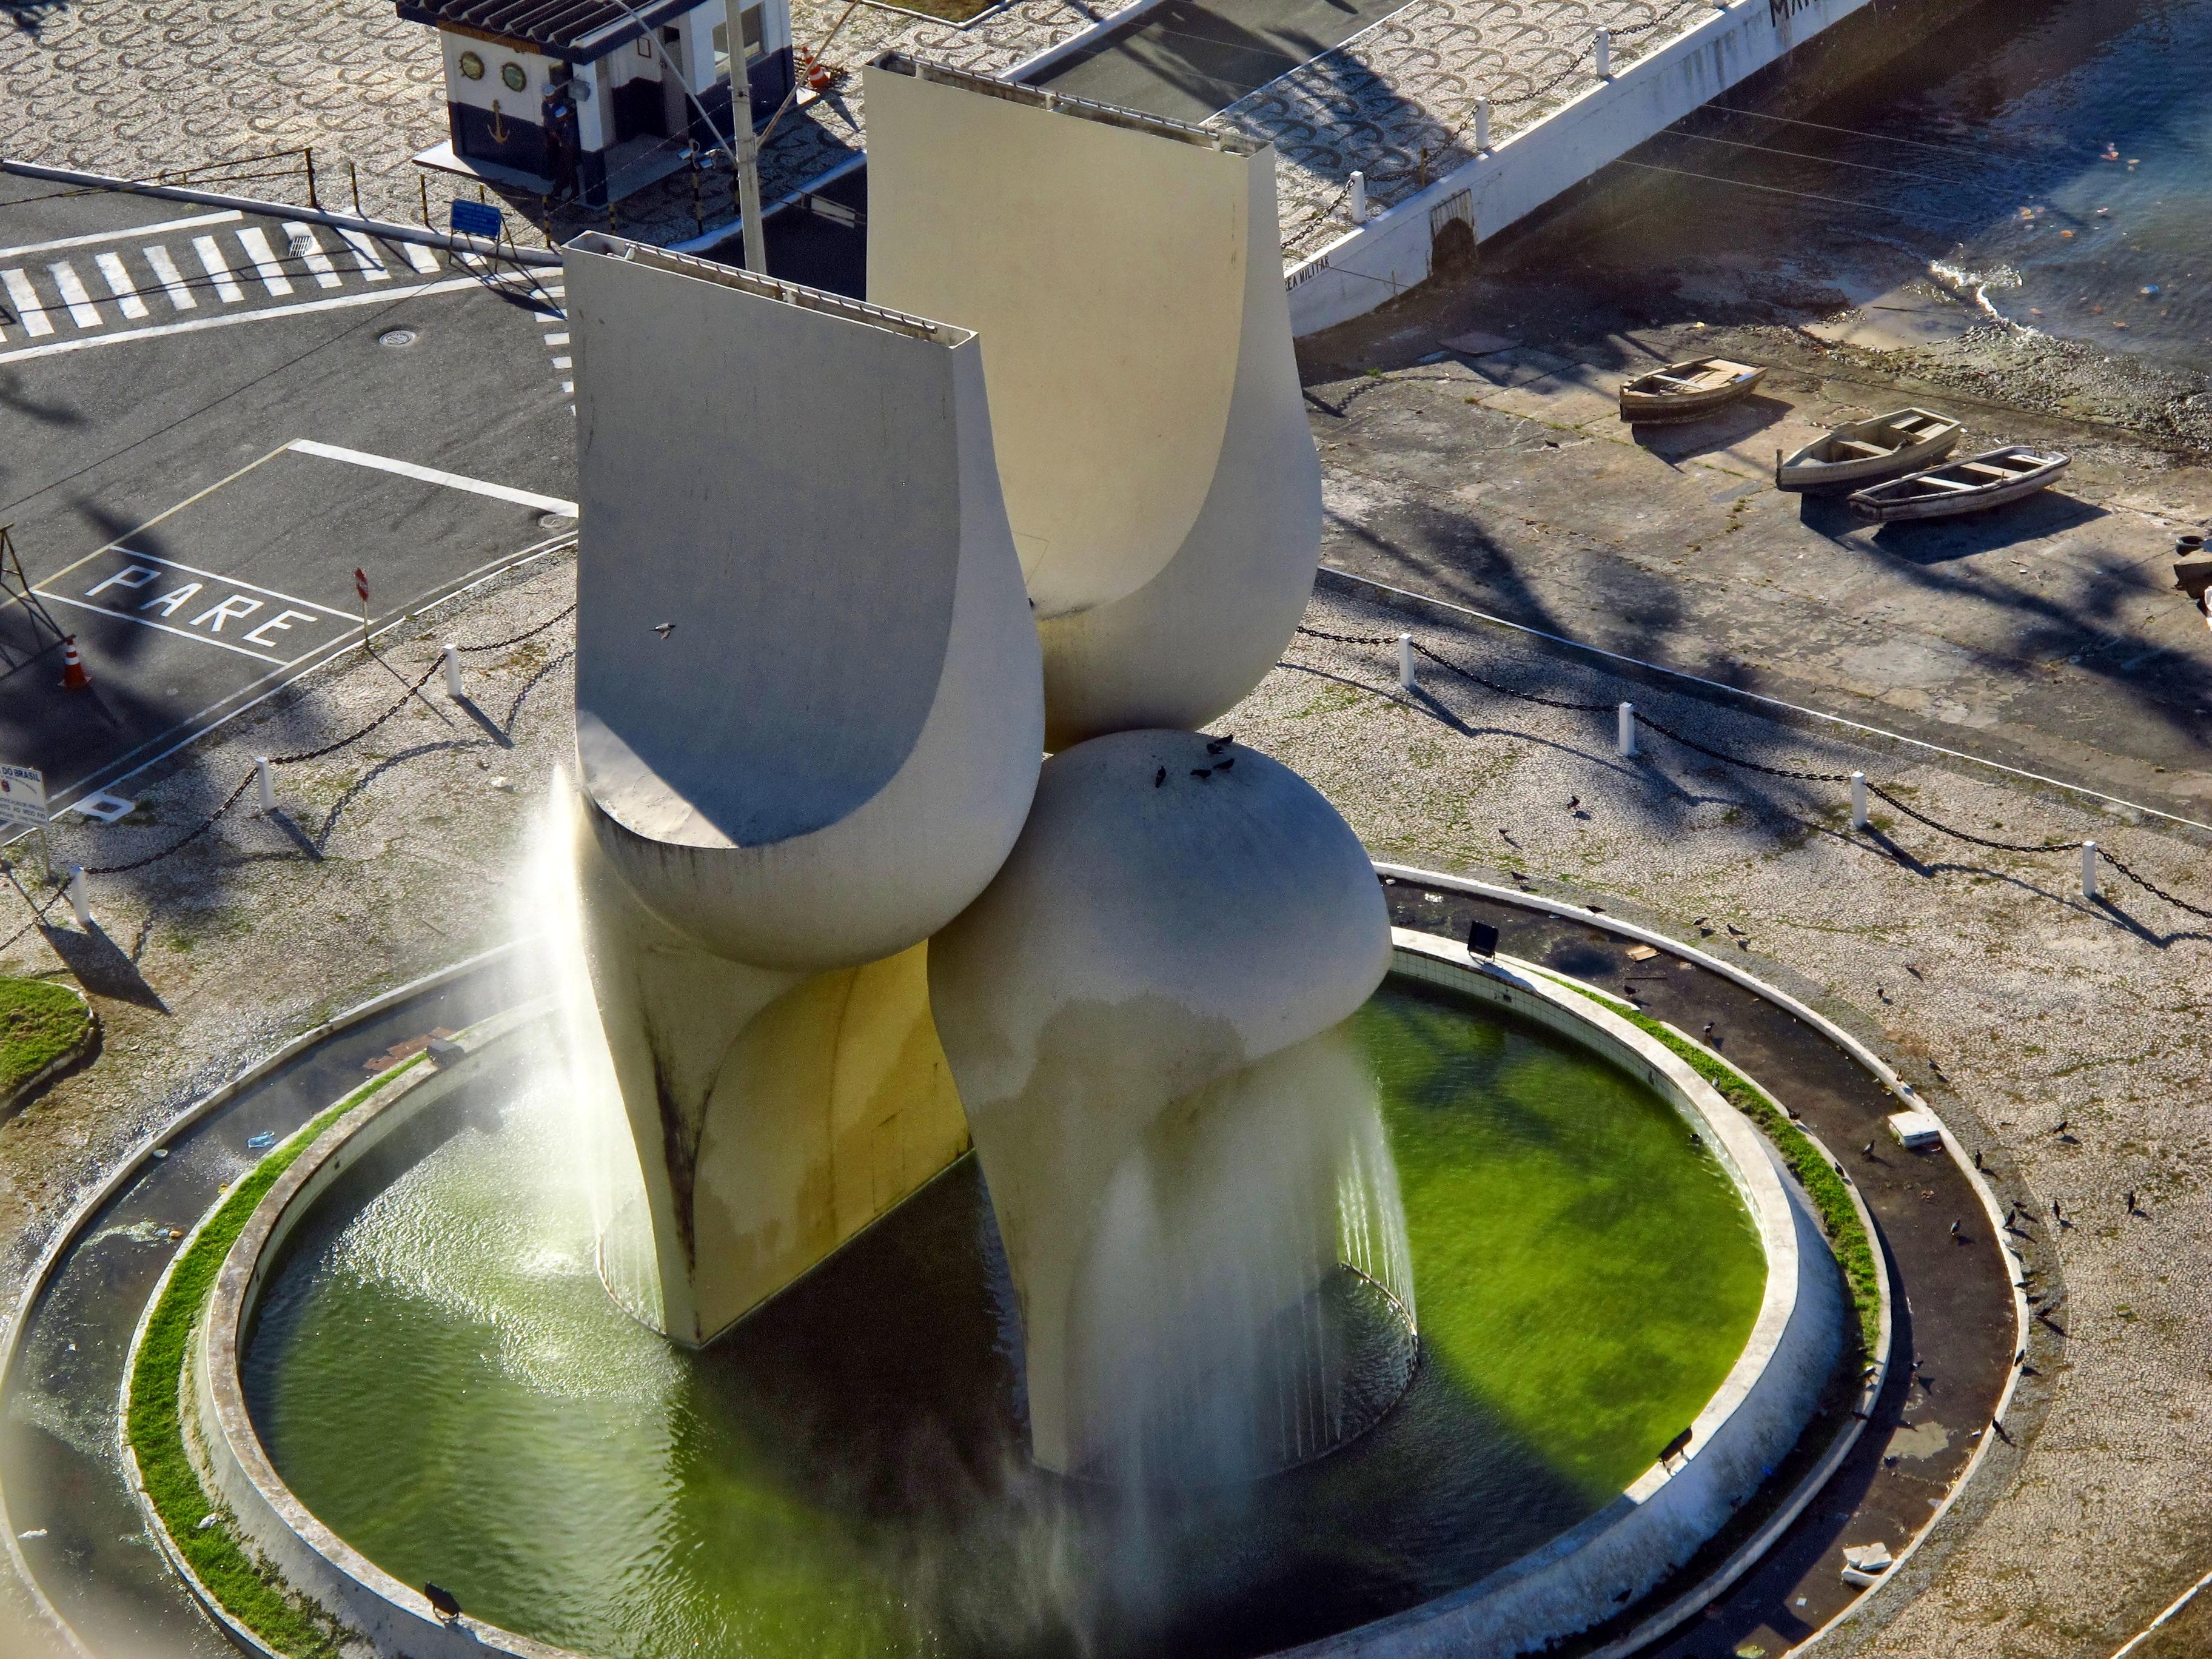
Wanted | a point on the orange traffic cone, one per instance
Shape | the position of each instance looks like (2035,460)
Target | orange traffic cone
(73,678)
(818,76)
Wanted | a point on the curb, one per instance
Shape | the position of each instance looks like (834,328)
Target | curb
(21,1095)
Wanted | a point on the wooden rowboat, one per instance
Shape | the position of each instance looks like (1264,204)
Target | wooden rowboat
(1973,485)
(1859,452)
(1682,391)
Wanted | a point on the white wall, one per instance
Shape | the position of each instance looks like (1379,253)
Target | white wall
(1390,254)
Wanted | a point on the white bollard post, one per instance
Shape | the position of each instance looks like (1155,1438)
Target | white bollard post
(1625,736)
(1407,677)
(452,669)
(2088,869)
(1481,126)
(78,900)
(267,780)
(1358,198)
(1604,54)
(1858,800)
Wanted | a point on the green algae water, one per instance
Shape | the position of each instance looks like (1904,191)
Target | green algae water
(440,1376)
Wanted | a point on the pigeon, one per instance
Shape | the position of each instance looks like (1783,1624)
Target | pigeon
(443,1603)
(1573,801)
(1955,1229)
(1225,762)
(1709,1027)
(1221,743)
(1868,1149)
(664,628)
(2059,1128)
(2131,1201)
(1977,1158)
(1159,777)
(1201,771)
(2056,1213)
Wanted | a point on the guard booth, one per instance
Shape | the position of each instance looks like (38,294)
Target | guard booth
(588,97)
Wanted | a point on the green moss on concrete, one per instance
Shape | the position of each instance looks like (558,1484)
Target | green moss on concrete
(286,1621)
(39,1023)
(1823,1184)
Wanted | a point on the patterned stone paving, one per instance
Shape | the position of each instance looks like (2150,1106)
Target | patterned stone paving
(1397,99)
(136,86)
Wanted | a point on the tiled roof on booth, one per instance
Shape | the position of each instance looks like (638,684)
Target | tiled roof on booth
(562,29)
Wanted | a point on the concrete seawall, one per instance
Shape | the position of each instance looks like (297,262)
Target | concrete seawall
(1525,170)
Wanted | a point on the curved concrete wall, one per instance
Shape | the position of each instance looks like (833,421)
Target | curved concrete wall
(803,487)
(1155,937)
(1159,472)
(809,719)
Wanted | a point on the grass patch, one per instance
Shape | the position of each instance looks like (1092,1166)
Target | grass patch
(40,1023)
(1831,1198)
(284,1620)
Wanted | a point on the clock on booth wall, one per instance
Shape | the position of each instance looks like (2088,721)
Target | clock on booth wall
(514,75)
(471,66)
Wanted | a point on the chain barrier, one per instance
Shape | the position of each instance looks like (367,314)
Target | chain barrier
(2153,889)
(1873,788)
(516,639)
(178,845)
(301,756)
(39,912)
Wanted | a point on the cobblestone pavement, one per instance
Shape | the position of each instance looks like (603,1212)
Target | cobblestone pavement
(1397,99)
(133,88)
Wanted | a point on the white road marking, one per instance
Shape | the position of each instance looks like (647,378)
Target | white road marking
(365,256)
(569,387)
(181,633)
(431,475)
(309,252)
(120,285)
(223,218)
(560,363)
(165,272)
(266,313)
(420,256)
(212,261)
(556,339)
(124,549)
(82,311)
(262,258)
(28,310)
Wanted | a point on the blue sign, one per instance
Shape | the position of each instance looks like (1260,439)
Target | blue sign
(477,219)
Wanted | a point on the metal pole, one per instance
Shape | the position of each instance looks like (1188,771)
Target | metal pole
(312,202)
(1624,737)
(2088,869)
(353,178)
(422,184)
(1407,677)
(267,782)
(1858,800)
(452,669)
(78,902)
(746,156)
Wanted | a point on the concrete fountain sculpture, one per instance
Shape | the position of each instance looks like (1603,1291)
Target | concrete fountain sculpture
(824,761)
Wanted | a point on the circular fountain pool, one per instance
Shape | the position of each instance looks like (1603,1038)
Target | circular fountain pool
(440,1377)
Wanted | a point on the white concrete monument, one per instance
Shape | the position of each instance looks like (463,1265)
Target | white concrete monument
(1125,276)
(808,730)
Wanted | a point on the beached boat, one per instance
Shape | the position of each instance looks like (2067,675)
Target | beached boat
(1973,485)
(1859,452)
(1682,391)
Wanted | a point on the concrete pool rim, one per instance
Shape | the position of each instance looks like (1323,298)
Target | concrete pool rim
(1752,1420)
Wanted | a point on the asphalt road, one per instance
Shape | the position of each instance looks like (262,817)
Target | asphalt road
(212,424)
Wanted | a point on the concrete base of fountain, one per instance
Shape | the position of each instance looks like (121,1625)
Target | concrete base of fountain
(1577,1578)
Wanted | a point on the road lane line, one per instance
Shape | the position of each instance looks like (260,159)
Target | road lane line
(432,475)
(120,285)
(309,252)
(556,339)
(142,622)
(212,261)
(266,313)
(262,258)
(82,311)
(420,256)
(228,216)
(560,363)
(28,310)
(166,273)
(365,256)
